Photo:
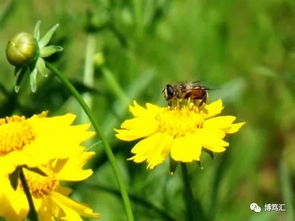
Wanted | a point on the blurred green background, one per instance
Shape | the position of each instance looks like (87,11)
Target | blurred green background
(116,51)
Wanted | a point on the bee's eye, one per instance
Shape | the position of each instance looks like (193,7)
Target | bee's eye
(168,91)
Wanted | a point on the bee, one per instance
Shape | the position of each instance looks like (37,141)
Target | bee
(185,91)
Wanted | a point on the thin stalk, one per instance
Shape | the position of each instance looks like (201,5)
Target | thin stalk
(137,15)
(193,212)
(88,74)
(115,86)
(32,213)
(288,196)
(100,134)
(217,180)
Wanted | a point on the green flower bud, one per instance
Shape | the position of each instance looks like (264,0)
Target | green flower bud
(22,49)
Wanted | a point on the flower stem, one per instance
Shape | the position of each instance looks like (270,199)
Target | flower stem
(32,213)
(100,134)
(188,195)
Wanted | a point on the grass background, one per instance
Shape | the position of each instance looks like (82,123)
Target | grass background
(116,51)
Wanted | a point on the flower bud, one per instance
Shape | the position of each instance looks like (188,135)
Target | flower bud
(22,49)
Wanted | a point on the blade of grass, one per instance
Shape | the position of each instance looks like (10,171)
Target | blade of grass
(286,186)
(88,74)
(115,86)
(5,11)
(194,209)
(218,175)
(137,15)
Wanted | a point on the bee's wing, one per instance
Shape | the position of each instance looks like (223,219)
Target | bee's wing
(205,87)
(197,82)
(211,88)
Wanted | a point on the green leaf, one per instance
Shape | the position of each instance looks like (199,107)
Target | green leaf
(209,152)
(41,67)
(17,70)
(19,77)
(37,30)
(13,178)
(36,170)
(173,166)
(33,80)
(46,38)
(200,165)
(50,50)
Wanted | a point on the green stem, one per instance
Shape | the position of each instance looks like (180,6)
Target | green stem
(32,213)
(188,195)
(100,134)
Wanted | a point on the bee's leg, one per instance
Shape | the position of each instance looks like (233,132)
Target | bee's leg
(196,102)
(170,103)
(189,101)
(203,99)
(178,103)
(201,103)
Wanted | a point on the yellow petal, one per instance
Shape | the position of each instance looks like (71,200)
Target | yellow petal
(186,149)
(219,122)
(13,202)
(143,148)
(8,212)
(72,170)
(213,140)
(148,124)
(129,135)
(136,109)
(152,108)
(160,151)
(64,190)
(48,211)
(153,149)
(63,120)
(235,128)
(213,108)
(72,209)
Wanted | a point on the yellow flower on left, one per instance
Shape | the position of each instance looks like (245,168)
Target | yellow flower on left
(51,145)
(34,141)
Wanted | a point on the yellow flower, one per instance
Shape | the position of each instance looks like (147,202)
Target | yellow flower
(36,140)
(49,197)
(180,133)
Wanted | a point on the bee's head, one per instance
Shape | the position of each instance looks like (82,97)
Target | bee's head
(168,92)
